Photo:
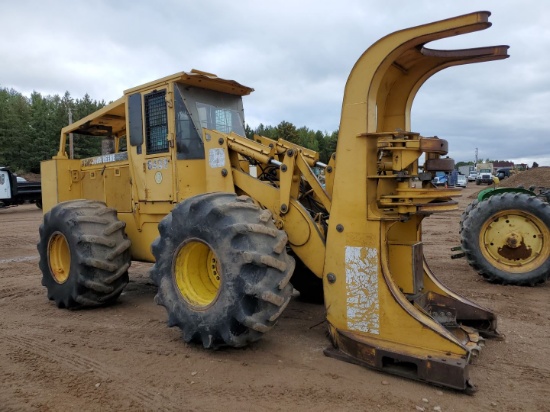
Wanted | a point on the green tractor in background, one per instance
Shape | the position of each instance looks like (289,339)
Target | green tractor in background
(505,235)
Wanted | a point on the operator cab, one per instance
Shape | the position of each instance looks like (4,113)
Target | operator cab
(197,108)
(155,148)
(201,100)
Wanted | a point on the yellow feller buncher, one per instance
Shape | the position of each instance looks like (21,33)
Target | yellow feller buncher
(221,215)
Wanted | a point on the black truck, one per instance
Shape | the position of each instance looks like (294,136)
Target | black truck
(15,190)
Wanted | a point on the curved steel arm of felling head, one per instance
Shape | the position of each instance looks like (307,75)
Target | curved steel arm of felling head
(384,81)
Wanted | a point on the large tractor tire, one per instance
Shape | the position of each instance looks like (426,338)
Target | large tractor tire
(84,254)
(506,239)
(466,213)
(222,270)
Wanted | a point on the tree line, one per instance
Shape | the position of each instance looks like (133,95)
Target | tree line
(30,129)
(322,142)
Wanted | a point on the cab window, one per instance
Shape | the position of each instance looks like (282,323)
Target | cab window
(156,122)
(189,145)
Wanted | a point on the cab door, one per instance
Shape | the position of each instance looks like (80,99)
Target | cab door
(154,155)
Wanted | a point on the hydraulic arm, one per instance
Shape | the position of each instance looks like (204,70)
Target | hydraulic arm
(385,308)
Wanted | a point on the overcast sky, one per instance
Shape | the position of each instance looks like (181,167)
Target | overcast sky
(297,55)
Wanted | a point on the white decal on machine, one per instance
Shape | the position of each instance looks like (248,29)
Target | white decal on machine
(157,164)
(216,158)
(363,309)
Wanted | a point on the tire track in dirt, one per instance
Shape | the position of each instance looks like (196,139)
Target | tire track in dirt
(20,280)
(18,259)
(28,349)
(13,293)
(19,220)
(532,376)
(11,243)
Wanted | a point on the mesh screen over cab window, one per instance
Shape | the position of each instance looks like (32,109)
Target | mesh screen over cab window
(156,122)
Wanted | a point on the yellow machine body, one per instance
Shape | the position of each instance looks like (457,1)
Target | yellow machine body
(385,308)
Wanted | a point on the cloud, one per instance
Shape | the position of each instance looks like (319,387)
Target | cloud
(296,55)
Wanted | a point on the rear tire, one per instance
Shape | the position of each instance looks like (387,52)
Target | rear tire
(84,254)
(222,270)
(506,239)
(466,213)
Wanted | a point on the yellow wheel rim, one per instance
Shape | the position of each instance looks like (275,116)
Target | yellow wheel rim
(515,241)
(59,256)
(197,274)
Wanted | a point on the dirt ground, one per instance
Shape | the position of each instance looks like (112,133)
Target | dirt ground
(125,358)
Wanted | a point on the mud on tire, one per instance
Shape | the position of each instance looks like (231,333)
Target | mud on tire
(506,239)
(84,254)
(222,270)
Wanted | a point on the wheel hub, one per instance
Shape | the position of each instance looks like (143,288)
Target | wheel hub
(515,241)
(196,273)
(59,257)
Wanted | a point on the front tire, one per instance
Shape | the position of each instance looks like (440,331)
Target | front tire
(506,239)
(84,254)
(222,270)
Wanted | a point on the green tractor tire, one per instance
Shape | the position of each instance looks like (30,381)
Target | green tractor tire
(506,239)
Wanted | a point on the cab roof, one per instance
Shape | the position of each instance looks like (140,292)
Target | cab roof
(110,120)
(200,79)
